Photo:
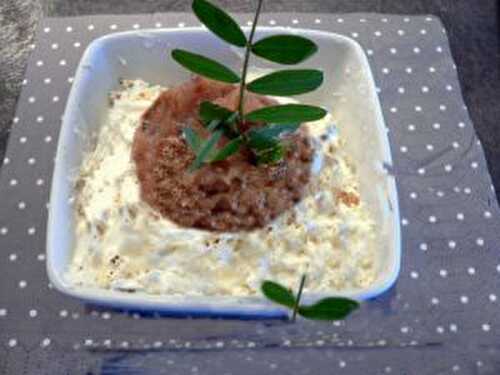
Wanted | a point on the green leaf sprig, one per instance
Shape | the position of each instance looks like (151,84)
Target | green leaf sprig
(276,120)
(330,308)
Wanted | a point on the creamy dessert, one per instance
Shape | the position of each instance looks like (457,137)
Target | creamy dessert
(125,241)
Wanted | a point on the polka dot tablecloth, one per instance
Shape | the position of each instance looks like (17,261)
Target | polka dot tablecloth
(442,316)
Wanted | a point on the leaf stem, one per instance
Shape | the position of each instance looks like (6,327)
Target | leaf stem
(299,295)
(245,62)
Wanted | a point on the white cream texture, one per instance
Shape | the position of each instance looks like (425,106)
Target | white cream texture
(124,244)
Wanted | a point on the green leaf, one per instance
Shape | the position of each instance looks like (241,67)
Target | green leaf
(205,150)
(219,22)
(228,150)
(193,139)
(287,82)
(204,66)
(266,136)
(210,111)
(278,293)
(285,49)
(332,308)
(286,113)
(271,155)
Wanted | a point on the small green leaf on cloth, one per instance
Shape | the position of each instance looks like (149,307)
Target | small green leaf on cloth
(331,308)
(278,293)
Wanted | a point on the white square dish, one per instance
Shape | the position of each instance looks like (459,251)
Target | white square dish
(348,87)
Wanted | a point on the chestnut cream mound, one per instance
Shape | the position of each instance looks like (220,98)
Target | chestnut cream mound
(123,242)
(230,195)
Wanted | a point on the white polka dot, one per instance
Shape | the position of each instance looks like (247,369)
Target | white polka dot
(13,257)
(39,63)
(408,70)
(12,342)
(393,51)
(378,33)
(31,231)
(418,108)
(47,81)
(425,89)
(406,19)
(70,79)
(411,127)
(21,205)
(15,120)
(342,364)
(439,329)
(46,29)
(90,27)
(455,368)
(31,99)
(436,125)
(13,182)
(62,62)
(487,214)
(295,21)
(439,49)
(54,46)
(453,327)
(479,364)
(485,327)
(113,26)
(401,32)
(448,168)
(443,273)
(33,313)
(455,145)
(414,275)
(45,342)
(4,231)
(88,342)
(492,297)
(404,149)
(429,147)
(421,171)
(40,257)
(158,24)
(55,99)
(354,35)
(393,109)
(404,222)
(340,20)
(423,31)
(124,344)
(136,26)
(32,46)
(3,312)
(471,271)
(467,190)
(480,241)
(22,139)
(401,90)
(464,299)
(69,29)
(432,69)
(63,313)
(413,195)
(423,246)
(442,107)
(449,88)
(39,182)
(39,119)
(452,244)
(460,216)
(416,50)
(48,139)
(31,161)
(405,329)
(273,22)
(474,165)
(384,20)
(22,284)
(76,44)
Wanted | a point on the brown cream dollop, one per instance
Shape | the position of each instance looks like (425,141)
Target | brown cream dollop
(230,195)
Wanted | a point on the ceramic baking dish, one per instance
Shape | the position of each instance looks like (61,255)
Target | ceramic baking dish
(348,92)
